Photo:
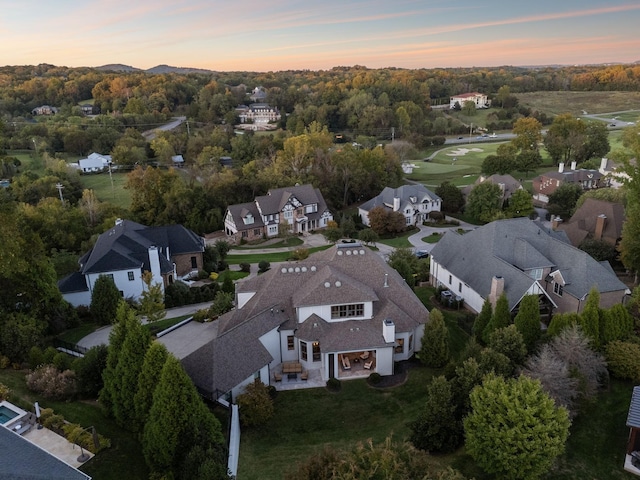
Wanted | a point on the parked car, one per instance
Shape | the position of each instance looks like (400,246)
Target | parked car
(422,253)
(493,135)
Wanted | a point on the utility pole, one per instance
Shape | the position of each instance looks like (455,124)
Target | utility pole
(113,192)
(59,186)
(393,134)
(188,131)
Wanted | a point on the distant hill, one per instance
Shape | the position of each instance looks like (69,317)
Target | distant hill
(159,69)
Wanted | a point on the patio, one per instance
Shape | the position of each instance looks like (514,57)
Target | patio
(313,380)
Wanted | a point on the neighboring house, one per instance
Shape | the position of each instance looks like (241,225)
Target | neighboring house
(508,185)
(547,183)
(177,161)
(86,108)
(258,95)
(258,113)
(521,257)
(44,110)
(413,201)
(632,457)
(94,163)
(126,251)
(613,173)
(341,313)
(479,99)
(302,207)
(595,219)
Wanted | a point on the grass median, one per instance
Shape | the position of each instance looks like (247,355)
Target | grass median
(274,257)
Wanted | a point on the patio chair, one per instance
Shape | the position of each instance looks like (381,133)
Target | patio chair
(368,364)
(364,355)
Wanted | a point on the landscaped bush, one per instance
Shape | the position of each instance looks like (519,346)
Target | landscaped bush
(245,267)
(52,383)
(36,357)
(300,254)
(79,436)
(263,266)
(622,360)
(201,316)
(4,392)
(62,361)
(4,362)
(374,379)
(255,405)
(53,422)
(334,384)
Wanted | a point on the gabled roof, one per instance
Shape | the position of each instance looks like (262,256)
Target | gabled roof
(275,200)
(126,245)
(405,193)
(583,222)
(511,247)
(240,211)
(236,351)
(510,184)
(23,460)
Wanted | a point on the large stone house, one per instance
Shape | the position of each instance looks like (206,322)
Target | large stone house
(521,257)
(415,202)
(341,313)
(126,251)
(301,207)
(547,183)
(479,99)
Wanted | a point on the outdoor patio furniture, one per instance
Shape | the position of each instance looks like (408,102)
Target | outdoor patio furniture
(346,365)
(304,375)
(277,377)
(291,367)
(368,364)
(364,355)
(292,376)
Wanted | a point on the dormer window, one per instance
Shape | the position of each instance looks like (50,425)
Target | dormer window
(347,311)
(248,219)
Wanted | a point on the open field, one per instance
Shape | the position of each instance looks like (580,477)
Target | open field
(101,184)
(594,103)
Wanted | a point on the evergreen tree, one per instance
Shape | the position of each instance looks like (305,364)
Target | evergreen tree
(482,320)
(434,351)
(515,430)
(154,360)
(561,321)
(501,317)
(527,320)
(590,318)
(177,421)
(152,301)
(617,324)
(509,342)
(437,429)
(105,299)
(227,284)
(109,392)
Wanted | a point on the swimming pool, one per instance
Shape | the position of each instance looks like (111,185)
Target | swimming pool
(7,414)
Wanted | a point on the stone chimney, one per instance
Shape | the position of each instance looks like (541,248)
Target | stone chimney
(388,330)
(396,204)
(497,287)
(561,167)
(601,221)
(119,221)
(555,221)
(603,165)
(573,165)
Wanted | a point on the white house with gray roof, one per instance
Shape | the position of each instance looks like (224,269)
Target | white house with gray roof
(341,313)
(521,257)
(415,202)
(301,207)
(126,251)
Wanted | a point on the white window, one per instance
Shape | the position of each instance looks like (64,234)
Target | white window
(557,289)
(536,273)
(408,220)
(288,214)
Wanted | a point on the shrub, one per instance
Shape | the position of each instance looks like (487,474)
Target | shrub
(245,267)
(48,354)
(300,254)
(375,378)
(84,437)
(334,384)
(4,392)
(201,316)
(255,405)
(51,383)
(263,266)
(4,362)
(62,361)
(52,422)
(622,360)
(36,357)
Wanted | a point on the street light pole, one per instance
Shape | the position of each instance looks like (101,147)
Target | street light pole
(470,130)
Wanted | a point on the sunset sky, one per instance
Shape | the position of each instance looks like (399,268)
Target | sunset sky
(295,34)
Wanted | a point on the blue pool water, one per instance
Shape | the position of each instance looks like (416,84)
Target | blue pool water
(6,414)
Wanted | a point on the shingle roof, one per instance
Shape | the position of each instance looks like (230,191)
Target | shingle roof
(23,460)
(633,417)
(404,193)
(240,211)
(126,245)
(507,247)
(583,222)
(236,352)
(276,199)
(75,282)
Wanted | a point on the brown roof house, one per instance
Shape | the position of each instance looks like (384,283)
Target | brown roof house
(302,207)
(547,183)
(508,185)
(341,313)
(521,257)
(595,219)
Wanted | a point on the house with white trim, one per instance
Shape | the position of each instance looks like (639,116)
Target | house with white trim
(414,201)
(479,99)
(302,207)
(129,249)
(341,313)
(521,257)
(94,163)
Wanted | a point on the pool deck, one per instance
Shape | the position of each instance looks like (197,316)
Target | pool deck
(56,445)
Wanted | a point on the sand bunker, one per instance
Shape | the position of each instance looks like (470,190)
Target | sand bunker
(460,152)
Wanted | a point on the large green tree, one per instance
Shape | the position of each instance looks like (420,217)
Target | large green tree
(484,202)
(452,198)
(435,351)
(501,317)
(527,320)
(117,336)
(105,300)
(515,430)
(154,359)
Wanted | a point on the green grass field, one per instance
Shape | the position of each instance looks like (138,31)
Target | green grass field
(105,191)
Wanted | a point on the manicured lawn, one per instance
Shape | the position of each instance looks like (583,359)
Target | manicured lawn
(163,324)
(285,242)
(401,241)
(100,183)
(74,335)
(233,274)
(269,257)
(433,238)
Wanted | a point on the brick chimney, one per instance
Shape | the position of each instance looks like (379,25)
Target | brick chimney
(601,221)
(497,287)
(555,221)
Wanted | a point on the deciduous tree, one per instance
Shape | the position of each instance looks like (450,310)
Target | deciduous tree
(484,202)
